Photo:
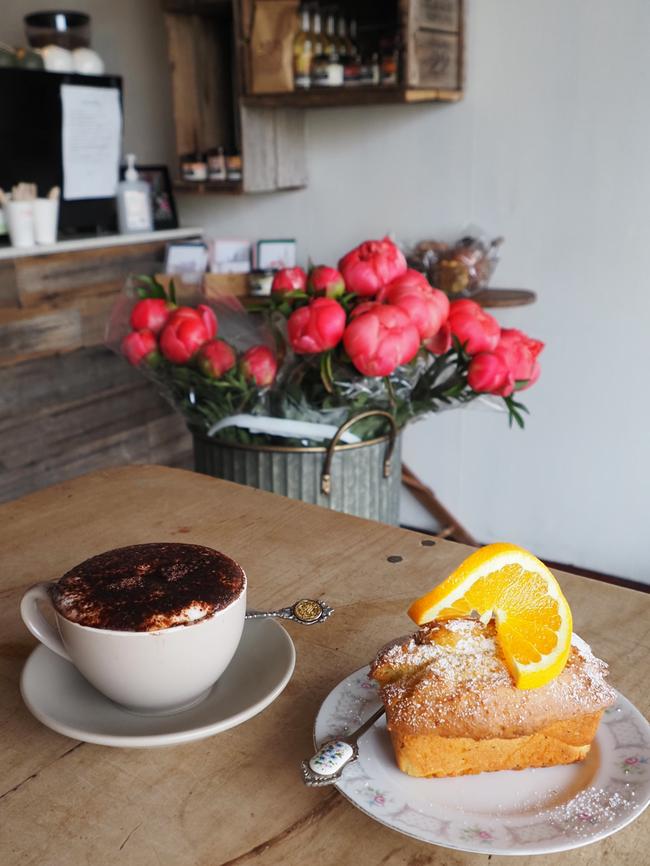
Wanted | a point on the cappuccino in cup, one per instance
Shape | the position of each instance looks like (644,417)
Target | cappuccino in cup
(152,626)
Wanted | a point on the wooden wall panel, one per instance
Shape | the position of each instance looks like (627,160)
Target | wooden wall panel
(89,410)
(69,405)
(59,279)
(37,333)
(273,148)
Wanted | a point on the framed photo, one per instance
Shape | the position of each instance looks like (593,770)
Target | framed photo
(163,206)
(186,257)
(276,254)
(230,256)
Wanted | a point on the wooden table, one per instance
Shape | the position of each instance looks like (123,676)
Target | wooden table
(237,798)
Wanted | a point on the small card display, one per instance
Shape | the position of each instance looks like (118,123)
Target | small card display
(276,254)
(230,256)
(186,257)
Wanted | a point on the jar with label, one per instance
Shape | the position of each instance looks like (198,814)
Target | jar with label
(389,63)
(352,70)
(365,72)
(194,167)
(234,166)
(319,70)
(260,282)
(335,70)
(216,164)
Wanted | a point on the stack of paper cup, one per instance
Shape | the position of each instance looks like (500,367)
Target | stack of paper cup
(32,221)
(20,222)
(46,218)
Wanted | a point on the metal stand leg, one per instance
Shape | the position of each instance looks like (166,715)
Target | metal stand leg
(451,527)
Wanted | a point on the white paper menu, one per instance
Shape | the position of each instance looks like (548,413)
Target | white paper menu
(91,132)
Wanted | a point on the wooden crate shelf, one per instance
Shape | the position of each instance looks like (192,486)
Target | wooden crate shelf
(324,97)
(210,46)
(231,187)
(486,298)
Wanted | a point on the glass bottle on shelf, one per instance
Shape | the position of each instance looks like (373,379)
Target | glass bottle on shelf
(375,69)
(320,60)
(302,52)
(329,40)
(342,38)
(352,62)
(317,34)
(353,47)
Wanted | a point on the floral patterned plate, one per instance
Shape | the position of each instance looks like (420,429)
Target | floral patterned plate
(533,811)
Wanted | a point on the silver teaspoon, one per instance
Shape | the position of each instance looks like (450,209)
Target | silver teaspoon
(327,765)
(306,611)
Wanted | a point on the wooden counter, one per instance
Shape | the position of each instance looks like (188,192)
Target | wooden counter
(237,798)
(68,405)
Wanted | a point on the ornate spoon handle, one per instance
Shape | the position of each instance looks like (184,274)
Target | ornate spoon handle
(307,611)
(327,765)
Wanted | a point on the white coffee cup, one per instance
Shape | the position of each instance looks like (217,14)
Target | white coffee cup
(154,672)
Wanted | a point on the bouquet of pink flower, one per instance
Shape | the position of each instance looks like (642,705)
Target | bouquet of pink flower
(370,334)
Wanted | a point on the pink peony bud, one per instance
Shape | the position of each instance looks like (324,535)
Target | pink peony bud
(381,339)
(317,327)
(259,365)
(489,374)
(326,281)
(363,307)
(151,314)
(372,265)
(215,358)
(427,308)
(475,329)
(410,279)
(289,280)
(183,335)
(441,343)
(519,352)
(209,319)
(139,346)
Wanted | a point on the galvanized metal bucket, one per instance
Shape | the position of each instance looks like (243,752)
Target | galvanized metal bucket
(359,478)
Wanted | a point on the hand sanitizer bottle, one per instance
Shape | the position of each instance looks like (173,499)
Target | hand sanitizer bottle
(133,201)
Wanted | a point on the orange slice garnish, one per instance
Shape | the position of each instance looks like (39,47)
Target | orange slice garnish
(510,585)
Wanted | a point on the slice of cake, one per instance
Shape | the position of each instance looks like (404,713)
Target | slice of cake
(452,707)
(494,679)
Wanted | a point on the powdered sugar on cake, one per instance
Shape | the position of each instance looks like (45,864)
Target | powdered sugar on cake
(451,678)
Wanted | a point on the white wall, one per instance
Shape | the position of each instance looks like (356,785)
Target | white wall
(549,148)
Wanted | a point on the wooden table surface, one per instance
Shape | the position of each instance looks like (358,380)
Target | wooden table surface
(237,798)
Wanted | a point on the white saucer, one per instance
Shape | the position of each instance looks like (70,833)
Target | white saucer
(533,811)
(57,694)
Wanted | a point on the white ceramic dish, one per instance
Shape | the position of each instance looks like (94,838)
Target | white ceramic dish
(535,811)
(57,694)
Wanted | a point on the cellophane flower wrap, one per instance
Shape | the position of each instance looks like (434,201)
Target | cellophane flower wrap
(329,344)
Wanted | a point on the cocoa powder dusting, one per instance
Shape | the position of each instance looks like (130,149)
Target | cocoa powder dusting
(146,587)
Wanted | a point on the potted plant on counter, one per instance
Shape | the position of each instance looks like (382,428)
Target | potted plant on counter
(307,395)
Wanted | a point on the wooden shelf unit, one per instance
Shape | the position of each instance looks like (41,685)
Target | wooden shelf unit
(209,44)
(486,298)
(504,297)
(341,97)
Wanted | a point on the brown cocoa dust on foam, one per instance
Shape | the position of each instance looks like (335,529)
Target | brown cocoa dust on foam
(146,587)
